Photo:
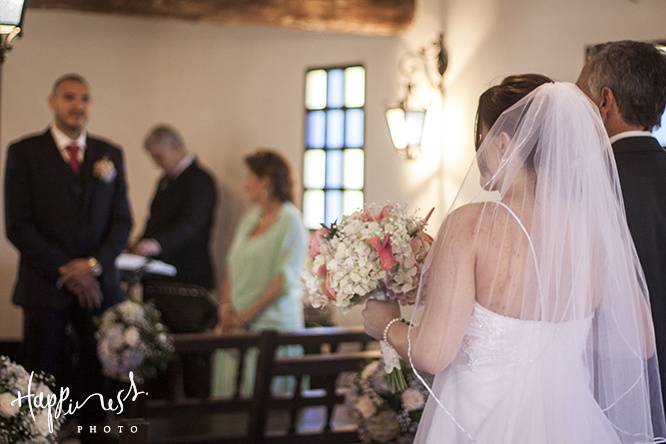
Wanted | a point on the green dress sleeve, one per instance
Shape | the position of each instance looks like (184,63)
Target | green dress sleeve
(293,251)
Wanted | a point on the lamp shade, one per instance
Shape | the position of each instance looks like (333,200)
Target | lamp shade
(11,15)
(405,126)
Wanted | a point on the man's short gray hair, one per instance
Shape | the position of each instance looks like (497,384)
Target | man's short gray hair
(636,73)
(69,77)
(164,135)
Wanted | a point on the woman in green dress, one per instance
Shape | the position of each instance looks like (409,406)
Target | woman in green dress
(261,287)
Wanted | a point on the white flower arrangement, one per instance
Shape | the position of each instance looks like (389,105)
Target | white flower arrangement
(17,424)
(369,254)
(131,338)
(380,415)
(365,253)
(105,170)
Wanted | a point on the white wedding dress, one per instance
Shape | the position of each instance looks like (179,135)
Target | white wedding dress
(539,234)
(479,386)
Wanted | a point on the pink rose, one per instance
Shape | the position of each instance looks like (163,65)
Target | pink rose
(326,286)
(328,289)
(315,242)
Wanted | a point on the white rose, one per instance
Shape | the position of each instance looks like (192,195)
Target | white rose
(131,311)
(365,406)
(7,409)
(132,337)
(41,425)
(412,399)
(115,336)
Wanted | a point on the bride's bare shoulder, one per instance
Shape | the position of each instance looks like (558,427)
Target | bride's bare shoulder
(463,221)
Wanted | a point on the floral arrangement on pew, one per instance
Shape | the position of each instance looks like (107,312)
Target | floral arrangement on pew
(381,415)
(369,254)
(24,421)
(132,338)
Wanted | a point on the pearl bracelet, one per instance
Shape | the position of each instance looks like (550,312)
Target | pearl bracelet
(388,326)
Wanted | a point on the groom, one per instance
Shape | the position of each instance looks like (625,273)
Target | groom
(67,214)
(627,82)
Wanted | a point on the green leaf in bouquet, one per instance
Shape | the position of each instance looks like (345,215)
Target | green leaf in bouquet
(358,299)
(332,231)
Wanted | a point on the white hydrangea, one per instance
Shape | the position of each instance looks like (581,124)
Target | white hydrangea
(132,336)
(8,407)
(41,425)
(356,260)
(115,336)
(131,312)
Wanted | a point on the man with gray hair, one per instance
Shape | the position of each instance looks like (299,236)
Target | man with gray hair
(181,214)
(627,82)
(178,232)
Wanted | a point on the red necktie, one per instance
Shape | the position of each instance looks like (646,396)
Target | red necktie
(73,152)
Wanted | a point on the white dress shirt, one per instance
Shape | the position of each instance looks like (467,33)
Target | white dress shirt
(62,141)
(183,164)
(626,134)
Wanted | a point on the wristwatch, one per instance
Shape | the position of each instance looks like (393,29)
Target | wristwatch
(95,266)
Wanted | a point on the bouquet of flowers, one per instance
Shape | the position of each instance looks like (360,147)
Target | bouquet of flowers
(131,338)
(381,415)
(19,423)
(369,254)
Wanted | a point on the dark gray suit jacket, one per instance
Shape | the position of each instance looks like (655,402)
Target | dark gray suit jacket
(53,216)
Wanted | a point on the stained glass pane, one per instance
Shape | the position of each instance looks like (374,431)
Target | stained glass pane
(354,130)
(315,89)
(352,201)
(355,87)
(313,208)
(316,129)
(314,169)
(336,91)
(353,167)
(333,206)
(334,169)
(335,127)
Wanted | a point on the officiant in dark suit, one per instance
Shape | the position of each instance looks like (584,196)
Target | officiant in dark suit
(178,230)
(67,214)
(627,82)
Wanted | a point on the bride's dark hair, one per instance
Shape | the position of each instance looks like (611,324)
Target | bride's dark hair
(497,99)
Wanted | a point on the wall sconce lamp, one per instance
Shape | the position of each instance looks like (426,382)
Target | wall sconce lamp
(11,20)
(406,120)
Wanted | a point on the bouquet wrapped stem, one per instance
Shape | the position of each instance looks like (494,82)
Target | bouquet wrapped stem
(395,376)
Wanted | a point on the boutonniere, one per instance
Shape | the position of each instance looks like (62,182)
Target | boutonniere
(104,170)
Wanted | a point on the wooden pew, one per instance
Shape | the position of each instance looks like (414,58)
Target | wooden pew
(326,367)
(201,420)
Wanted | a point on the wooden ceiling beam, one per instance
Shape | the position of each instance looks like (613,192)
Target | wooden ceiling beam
(370,17)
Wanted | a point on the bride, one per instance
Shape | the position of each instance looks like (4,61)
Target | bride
(532,312)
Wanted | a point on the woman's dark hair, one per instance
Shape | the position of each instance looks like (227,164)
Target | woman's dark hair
(268,163)
(497,99)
